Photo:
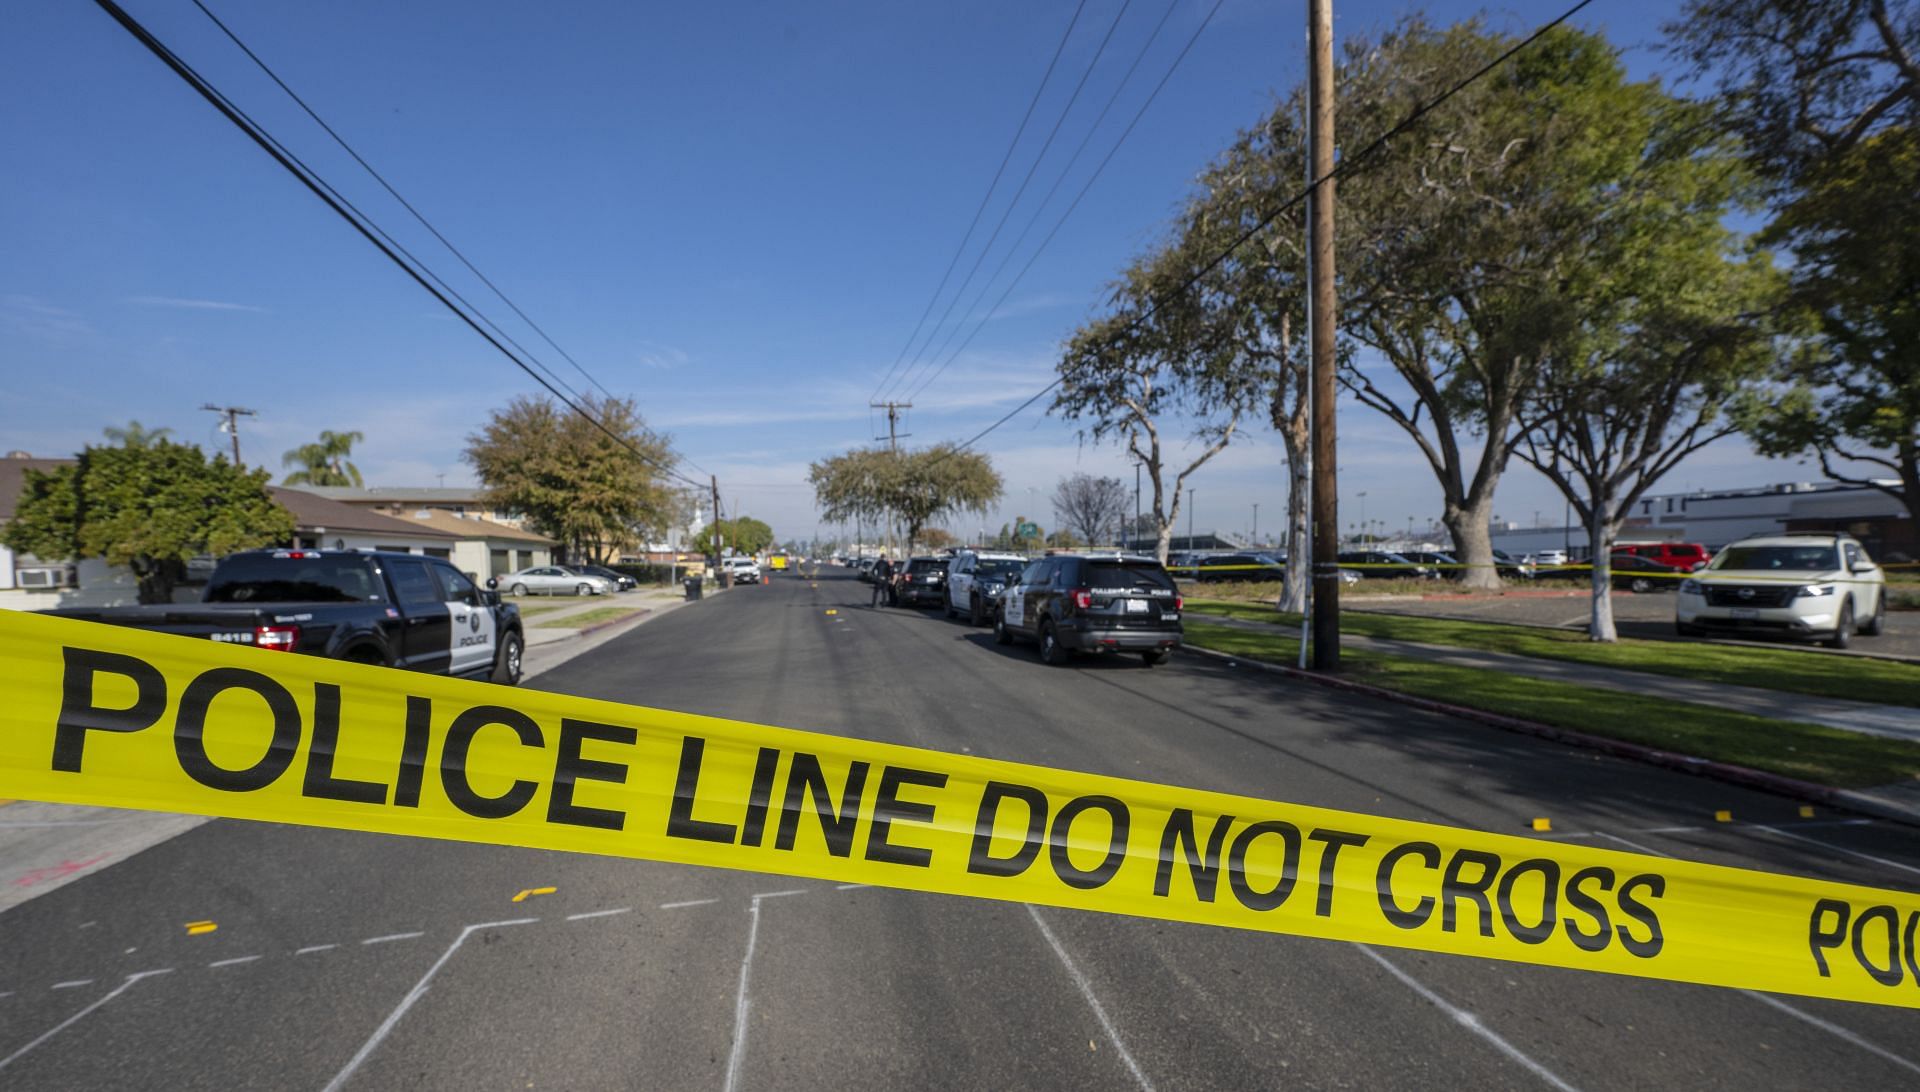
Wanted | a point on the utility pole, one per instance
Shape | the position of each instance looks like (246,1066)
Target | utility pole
(1190,544)
(1255,533)
(1326,485)
(893,443)
(1136,501)
(714,483)
(232,424)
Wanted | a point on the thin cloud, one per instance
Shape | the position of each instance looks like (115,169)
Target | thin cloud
(193,305)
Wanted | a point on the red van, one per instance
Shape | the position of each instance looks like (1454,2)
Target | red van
(1685,556)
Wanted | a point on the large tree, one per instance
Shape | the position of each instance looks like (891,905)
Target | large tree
(1827,96)
(1090,507)
(151,508)
(136,434)
(742,534)
(570,478)
(915,487)
(324,462)
(1462,242)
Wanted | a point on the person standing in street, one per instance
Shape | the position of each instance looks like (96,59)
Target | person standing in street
(882,580)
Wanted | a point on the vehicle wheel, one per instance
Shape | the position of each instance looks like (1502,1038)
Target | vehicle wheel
(1686,630)
(1640,585)
(1052,652)
(517,590)
(1002,635)
(1157,657)
(976,614)
(583,589)
(1843,633)
(1877,624)
(507,664)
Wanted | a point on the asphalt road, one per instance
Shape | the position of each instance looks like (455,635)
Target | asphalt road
(360,961)
(1648,616)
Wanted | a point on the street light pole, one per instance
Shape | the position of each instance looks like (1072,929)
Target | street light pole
(1256,523)
(1190,519)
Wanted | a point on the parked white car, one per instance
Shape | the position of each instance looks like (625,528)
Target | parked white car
(552,580)
(745,570)
(1810,585)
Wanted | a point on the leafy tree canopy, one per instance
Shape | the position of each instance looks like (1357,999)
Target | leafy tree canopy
(917,487)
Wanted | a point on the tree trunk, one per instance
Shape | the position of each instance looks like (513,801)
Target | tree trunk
(1293,596)
(1470,525)
(1599,545)
(157,578)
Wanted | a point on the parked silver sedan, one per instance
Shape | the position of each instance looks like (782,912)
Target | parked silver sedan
(552,580)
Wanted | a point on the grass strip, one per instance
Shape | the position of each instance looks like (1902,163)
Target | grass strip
(1811,752)
(1884,682)
(590,618)
(528,610)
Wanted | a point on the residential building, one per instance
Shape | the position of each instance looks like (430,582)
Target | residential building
(403,500)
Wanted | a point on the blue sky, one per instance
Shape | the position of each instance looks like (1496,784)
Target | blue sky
(732,212)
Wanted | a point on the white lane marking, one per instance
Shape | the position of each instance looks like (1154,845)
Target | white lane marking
(419,990)
(1635,846)
(1840,849)
(1834,1029)
(1773,1002)
(742,1000)
(850,886)
(1469,1021)
(599,913)
(392,937)
(317,948)
(73,984)
(232,962)
(78,1016)
(781,894)
(1093,1002)
(689,902)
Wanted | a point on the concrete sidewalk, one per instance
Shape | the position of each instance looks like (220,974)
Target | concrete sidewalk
(1894,721)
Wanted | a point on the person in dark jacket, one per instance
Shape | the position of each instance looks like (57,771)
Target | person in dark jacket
(882,581)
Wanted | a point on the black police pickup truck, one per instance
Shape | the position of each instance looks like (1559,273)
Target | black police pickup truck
(1078,603)
(399,610)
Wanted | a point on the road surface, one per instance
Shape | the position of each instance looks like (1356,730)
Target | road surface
(356,961)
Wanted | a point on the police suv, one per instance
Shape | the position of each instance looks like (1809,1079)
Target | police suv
(400,610)
(1091,603)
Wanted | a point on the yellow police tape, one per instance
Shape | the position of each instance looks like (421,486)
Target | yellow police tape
(99,715)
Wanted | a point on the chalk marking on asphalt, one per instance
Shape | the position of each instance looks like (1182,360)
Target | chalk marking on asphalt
(232,962)
(419,990)
(1840,849)
(317,948)
(390,937)
(1469,1021)
(73,984)
(780,894)
(78,1016)
(742,1000)
(689,902)
(1773,1002)
(1836,1030)
(599,913)
(1093,1002)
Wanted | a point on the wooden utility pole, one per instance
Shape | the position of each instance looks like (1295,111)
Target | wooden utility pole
(1326,485)
(232,424)
(894,436)
(715,543)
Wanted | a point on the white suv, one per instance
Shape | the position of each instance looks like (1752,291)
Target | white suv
(1818,585)
(745,570)
(975,581)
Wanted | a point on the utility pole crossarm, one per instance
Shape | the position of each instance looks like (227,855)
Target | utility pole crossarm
(232,424)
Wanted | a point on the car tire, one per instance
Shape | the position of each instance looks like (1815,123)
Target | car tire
(509,661)
(1639,585)
(976,614)
(1686,630)
(584,589)
(1001,634)
(1052,652)
(517,590)
(1876,625)
(1843,633)
(1157,657)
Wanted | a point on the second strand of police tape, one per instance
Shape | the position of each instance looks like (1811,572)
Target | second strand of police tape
(106,716)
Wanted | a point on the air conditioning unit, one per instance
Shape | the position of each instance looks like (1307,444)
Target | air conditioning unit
(45,576)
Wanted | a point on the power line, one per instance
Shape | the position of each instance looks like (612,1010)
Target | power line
(408,205)
(1021,190)
(1346,166)
(1077,198)
(986,197)
(345,210)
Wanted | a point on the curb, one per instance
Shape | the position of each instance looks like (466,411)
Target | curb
(1743,776)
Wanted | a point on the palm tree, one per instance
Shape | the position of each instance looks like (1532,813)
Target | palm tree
(136,435)
(325,462)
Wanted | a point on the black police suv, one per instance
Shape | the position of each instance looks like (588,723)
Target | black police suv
(921,582)
(1080,603)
